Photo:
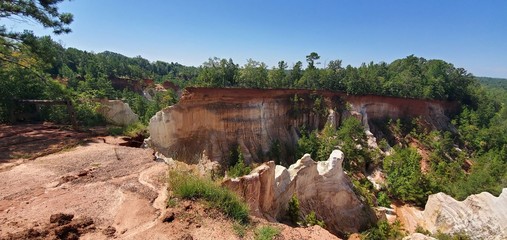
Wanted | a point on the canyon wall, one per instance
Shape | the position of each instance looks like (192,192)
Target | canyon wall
(210,121)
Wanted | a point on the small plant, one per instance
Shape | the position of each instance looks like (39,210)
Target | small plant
(266,233)
(240,168)
(189,186)
(115,130)
(456,236)
(172,202)
(293,209)
(383,200)
(311,220)
(239,229)
(136,129)
(383,144)
(362,188)
(383,230)
(419,229)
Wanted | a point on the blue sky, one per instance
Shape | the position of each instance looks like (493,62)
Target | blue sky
(469,34)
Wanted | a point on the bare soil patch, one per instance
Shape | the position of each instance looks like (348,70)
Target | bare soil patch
(102,190)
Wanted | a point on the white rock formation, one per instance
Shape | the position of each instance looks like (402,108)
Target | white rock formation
(480,216)
(322,187)
(117,112)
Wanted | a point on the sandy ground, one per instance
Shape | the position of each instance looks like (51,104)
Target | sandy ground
(110,192)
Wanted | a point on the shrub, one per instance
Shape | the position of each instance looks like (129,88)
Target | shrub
(456,236)
(383,231)
(266,233)
(311,220)
(239,168)
(419,229)
(383,200)
(136,129)
(362,188)
(293,209)
(239,229)
(404,178)
(188,186)
(308,143)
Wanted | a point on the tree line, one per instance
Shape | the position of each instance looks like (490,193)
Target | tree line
(411,77)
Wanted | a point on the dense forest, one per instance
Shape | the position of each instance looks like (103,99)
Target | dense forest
(470,159)
(40,68)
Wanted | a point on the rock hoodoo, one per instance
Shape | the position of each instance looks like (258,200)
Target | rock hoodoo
(117,112)
(480,216)
(211,120)
(322,187)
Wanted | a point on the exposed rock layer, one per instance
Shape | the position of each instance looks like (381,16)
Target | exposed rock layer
(212,120)
(480,216)
(117,112)
(322,187)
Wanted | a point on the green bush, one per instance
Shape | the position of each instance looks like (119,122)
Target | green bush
(136,129)
(351,134)
(293,209)
(383,199)
(239,168)
(266,233)
(384,231)
(239,229)
(311,220)
(404,178)
(308,143)
(188,186)
(362,188)
(456,236)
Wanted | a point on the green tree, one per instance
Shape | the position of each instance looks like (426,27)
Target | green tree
(352,141)
(311,58)
(295,74)
(277,76)
(310,79)
(293,210)
(44,12)
(404,178)
(218,72)
(328,141)
(308,143)
(253,75)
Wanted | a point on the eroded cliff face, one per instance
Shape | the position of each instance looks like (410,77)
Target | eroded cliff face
(480,216)
(212,120)
(322,187)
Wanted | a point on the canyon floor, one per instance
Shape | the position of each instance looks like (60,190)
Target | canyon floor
(56,183)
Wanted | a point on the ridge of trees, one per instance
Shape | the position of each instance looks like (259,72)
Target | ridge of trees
(412,77)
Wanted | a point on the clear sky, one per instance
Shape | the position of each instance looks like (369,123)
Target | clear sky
(469,34)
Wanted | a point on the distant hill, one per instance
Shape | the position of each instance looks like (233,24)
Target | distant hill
(493,82)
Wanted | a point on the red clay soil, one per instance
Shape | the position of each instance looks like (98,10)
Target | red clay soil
(28,141)
(406,106)
(101,190)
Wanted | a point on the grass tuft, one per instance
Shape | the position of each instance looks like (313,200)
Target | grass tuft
(188,186)
(266,233)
